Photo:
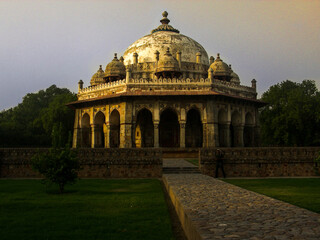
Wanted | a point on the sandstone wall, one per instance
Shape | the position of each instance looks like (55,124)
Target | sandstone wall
(147,163)
(95,163)
(262,162)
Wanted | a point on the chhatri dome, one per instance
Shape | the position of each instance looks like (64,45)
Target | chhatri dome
(165,92)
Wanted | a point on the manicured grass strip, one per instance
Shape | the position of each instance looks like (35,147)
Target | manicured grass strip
(90,209)
(302,192)
(193,161)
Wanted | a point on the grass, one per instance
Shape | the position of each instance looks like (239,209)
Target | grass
(90,209)
(302,192)
(194,161)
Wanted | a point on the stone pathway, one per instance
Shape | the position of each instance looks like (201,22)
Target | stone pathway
(178,166)
(212,209)
(176,162)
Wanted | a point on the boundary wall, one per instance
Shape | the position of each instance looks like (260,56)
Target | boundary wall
(147,162)
(95,163)
(262,162)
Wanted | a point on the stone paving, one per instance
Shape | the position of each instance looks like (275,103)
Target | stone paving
(212,209)
(176,162)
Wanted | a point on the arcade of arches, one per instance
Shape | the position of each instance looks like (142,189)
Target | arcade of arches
(165,125)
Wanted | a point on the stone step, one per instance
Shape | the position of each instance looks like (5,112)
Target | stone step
(178,170)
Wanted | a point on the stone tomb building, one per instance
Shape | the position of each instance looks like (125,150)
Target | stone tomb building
(166,92)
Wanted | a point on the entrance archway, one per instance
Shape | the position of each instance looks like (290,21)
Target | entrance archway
(114,129)
(144,129)
(169,129)
(85,131)
(99,123)
(193,129)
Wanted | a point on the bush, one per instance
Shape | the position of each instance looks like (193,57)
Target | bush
(59,165)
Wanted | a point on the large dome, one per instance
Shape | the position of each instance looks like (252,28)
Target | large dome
(162,38)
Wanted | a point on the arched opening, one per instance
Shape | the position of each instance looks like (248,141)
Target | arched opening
(114,129)
(235,134)
(223,128)
(85,131)
(99,124)
(169,129)
(193,129)
(144,129)
(248,131)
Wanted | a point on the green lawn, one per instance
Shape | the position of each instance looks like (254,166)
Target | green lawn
(90,209)
(194,161)
(302,192)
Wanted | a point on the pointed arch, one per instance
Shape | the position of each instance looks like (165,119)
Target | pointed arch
(144,131)
(194,130)
(99,125)
(114,121)
(169,129)
(85,131)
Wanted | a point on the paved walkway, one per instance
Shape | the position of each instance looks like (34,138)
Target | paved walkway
(212,209)
(176,162)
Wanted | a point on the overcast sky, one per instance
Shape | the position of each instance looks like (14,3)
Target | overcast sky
(60,42)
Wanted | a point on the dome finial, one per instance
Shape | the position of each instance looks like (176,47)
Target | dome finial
(165,20)
(165,14)
(115,56)
(165,25)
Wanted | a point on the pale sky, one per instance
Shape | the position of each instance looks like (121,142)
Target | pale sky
(60,42)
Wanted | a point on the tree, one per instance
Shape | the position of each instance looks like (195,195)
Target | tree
(60,164)
(292,116)
(31,122)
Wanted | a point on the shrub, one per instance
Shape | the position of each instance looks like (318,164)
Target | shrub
(59,165)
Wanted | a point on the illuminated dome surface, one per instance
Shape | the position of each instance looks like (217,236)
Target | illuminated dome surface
(161,38)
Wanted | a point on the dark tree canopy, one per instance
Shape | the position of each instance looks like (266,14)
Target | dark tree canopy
(292,116)
(30,123)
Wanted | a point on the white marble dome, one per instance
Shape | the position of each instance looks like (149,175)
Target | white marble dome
(163,37)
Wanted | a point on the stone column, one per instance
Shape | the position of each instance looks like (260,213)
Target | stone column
(226,134)
(156,134)
(182,134)
(238,139)
(156,121)
(76,140)
(105,133)
(122,135)
(93,135)
(212,135)
(216,134)
(127,135)
(204,135)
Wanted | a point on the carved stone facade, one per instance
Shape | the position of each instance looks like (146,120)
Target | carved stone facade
(172,95)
